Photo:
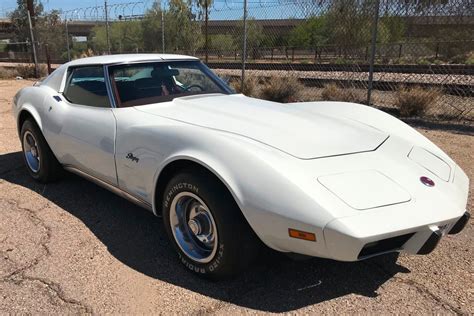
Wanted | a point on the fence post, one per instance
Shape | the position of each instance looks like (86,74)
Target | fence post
(48,58)
(162,31)
(107,26)
(244,47)
(206,45)
(67,43)
(373,45)
(33,45)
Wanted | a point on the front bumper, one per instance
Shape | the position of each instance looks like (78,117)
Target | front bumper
(345,243)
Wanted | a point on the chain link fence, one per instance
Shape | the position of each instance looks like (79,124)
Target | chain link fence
(411,58)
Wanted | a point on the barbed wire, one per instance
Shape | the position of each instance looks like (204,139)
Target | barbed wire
(137,9)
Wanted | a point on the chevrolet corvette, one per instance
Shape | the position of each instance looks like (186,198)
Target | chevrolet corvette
(230,174)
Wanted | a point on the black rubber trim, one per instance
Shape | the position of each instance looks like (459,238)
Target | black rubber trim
(460,224)
(384,246)
(431,243)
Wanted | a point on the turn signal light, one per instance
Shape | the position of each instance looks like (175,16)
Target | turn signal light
(301,234)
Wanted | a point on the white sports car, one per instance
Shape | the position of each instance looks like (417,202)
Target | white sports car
(229,173)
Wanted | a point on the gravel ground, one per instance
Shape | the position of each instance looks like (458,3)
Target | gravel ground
(72,247)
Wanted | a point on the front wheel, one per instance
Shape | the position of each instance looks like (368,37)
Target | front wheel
(206,226)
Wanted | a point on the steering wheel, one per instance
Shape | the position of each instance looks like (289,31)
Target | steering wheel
(188,88)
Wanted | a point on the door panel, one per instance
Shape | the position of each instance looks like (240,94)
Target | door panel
(87,141)
(82,125)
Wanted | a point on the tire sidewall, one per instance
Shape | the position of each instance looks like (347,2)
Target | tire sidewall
(190,183)
(28,126)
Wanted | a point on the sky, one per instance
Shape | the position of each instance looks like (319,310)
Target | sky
(9,5)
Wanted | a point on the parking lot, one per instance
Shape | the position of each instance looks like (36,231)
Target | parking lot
(73,247)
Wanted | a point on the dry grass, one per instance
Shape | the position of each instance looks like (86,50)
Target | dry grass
(332,92)
(250,87)
(277,89)
(25,71)
(281,89)
(7,73)
(28,70)
(415,101)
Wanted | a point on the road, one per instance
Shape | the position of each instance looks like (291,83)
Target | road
(73,247)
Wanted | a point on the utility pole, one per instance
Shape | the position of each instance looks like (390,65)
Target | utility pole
(244,47)
(206,46)
(31,11)
(107,26)
(33,46)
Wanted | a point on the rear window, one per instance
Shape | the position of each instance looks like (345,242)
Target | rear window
(86,86)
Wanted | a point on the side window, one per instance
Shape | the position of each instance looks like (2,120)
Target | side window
(86,86)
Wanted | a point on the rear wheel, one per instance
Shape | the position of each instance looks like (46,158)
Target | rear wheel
(206,226)
(39,160)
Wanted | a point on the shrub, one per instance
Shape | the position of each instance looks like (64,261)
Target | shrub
(342,61)
(28,70)
(6,73)
(332,92)
(415,101)
(250,87)
(470,59)
(281,89)
(423,61)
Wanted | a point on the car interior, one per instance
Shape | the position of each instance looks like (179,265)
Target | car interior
(160,83)
(86,86)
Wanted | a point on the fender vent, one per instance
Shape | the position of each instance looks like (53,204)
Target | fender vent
(384,245)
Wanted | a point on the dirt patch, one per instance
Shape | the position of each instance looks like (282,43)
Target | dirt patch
(72,247)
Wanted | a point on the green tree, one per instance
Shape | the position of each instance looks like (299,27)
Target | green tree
(182,32)
(19,20)
(46,25)
(312,33)
(255,37)
(349,23)
(125,36)
(152,27)
(185,33)
(391,29)
(50,32)
(222,43)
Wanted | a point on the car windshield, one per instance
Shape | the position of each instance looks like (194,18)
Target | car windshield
(154,82)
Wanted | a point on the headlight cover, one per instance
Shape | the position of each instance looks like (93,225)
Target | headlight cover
(430,162)
(365,189)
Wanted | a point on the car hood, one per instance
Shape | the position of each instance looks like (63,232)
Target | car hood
(297,132)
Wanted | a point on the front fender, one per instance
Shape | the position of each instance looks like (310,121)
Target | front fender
(259,179)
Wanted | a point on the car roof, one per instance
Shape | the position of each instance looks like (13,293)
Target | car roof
(126,58)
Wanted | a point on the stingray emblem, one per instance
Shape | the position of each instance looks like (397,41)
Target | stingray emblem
(132,157)
(427,181)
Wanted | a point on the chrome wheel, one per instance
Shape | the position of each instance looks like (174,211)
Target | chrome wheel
(31,151)
(193,227)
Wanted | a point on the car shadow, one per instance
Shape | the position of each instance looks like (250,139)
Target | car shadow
(136,238)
